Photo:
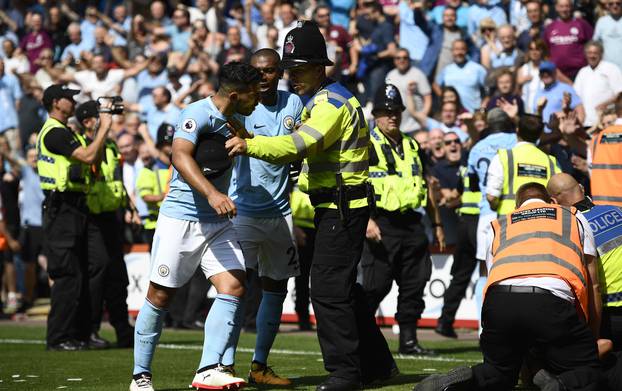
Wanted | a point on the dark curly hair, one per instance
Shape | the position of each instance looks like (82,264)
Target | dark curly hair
(237,76)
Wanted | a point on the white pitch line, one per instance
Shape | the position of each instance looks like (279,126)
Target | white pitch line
(249,350)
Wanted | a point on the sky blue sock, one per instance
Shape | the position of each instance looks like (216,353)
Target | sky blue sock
(228,357)
(221,322)
(268,321)
(146,335)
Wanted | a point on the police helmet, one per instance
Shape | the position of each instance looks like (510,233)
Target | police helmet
(388,97)
(304,44)
(166,132)
(211,155)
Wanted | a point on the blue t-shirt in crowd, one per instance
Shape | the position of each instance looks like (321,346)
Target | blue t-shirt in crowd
(477,12)
(156,117)
(467,79)
(146,83)
(462,15)
(340,12)
(411,36)
(10,93)
(179,38)
(32,198)
(75,49)
(479,159)
(554,93)
(183,202)
(87,29)
(258,188)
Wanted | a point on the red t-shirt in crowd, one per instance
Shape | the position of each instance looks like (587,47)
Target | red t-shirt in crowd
(565,41)
(343,40)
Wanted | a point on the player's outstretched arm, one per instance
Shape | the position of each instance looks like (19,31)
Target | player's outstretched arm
(184,163)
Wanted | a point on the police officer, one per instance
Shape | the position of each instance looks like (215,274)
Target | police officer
(464,255)
(153,179)
(606,171)
(541,261)
(334,139)
(64,170)
(106,198)
(606,224)
(525,163)
(397,245)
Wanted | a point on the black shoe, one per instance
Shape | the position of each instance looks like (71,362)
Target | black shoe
(97,342)
(547,382)
(459,379)
(379,378)
(414,348)
(446,330)
(67,346)
(338,384)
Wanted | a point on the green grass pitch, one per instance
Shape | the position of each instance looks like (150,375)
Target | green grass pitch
(25,365)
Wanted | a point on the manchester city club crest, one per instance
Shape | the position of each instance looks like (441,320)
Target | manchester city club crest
(288,122)
(289,47)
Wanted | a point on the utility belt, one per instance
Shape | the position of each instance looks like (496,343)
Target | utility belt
(342,195)
(74,198)
(518,289)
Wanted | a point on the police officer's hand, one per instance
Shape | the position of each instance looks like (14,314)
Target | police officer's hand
(14,245)
(440,237)
(236,146)
(373,231)
(222,204)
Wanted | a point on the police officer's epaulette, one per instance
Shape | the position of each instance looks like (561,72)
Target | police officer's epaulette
(326,95)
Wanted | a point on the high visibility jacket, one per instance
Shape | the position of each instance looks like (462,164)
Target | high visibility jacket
(302,210)
(333,139)
(57,172)
(540,239)
(107,193)
(606,175)
(470,199)
(523,164)
(152,182)
(398,180)
(606,224)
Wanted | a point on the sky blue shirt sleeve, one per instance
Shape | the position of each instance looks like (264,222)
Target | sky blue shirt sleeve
(190,122)
(441,77)
(481,75)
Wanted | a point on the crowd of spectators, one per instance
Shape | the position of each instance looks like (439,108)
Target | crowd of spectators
(451,60)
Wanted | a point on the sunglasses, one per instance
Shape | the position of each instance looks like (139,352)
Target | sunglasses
(487,29)
(615,3)
(401,58)
(452,141)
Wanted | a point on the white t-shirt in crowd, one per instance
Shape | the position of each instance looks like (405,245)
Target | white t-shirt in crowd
(597,85)
(109,86)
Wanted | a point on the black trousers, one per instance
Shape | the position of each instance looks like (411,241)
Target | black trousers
(513,323)
(403,256)
(65,227)
(611,326)
(305,257)
(108,277)
(462,268)
(352,345)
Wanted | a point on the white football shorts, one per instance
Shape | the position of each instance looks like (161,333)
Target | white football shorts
(180,246)
(269,243)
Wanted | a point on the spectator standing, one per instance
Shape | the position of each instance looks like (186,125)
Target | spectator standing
(438,53)
(162,111)
(31,233)
(336,34)
(15,62)
(35,40)
(154,76)
(284,23)
(536,27)
(565,37)
(555,92)
(10,96)
(411,35)
(179,31)
(268,21)
(31,115)
(236,51)
(598,83)
(72,54)
(609,32)
(503,51)
(414,86)
(466,76)
(505,95)
(462,13)
(528,76)
(88,26)
(482,9)
(448,121)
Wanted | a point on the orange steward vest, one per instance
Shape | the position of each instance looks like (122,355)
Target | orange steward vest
(606,177)
(540,240)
